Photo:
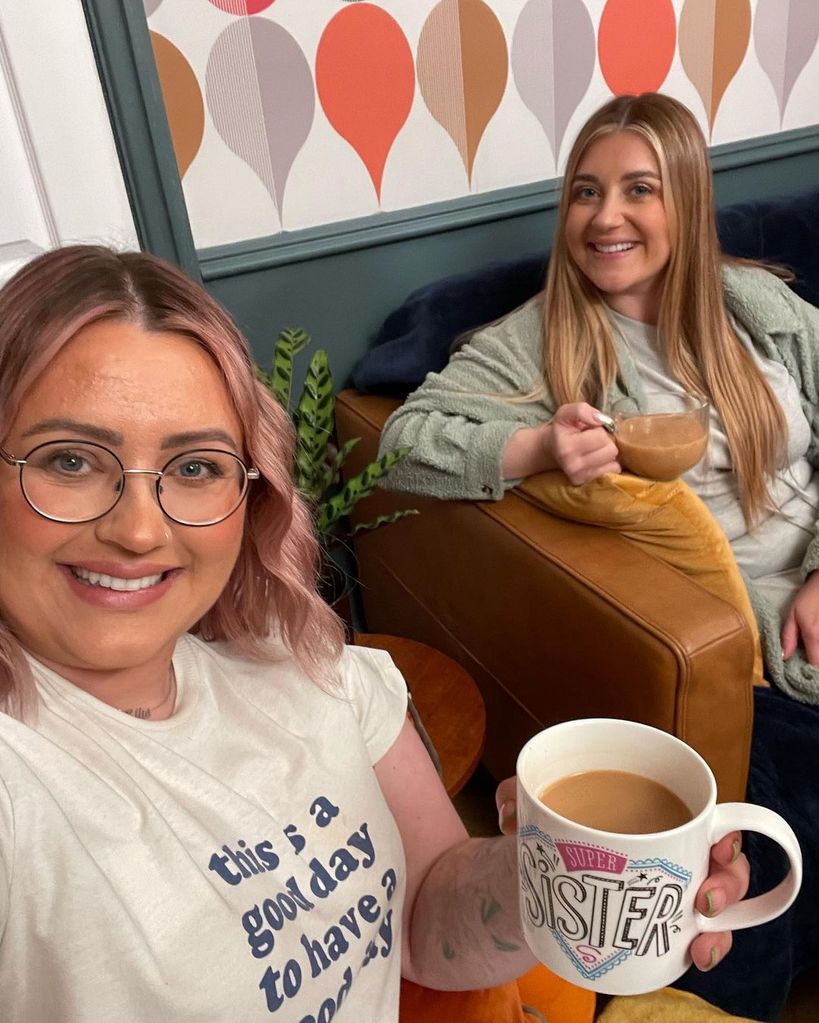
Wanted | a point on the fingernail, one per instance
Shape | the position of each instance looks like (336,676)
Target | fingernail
(506,811)
(711,909)
(736,848)
(713,959)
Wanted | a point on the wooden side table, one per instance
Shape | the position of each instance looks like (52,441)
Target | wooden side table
(447,699)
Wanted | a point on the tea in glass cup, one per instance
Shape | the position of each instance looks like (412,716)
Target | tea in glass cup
(663,439)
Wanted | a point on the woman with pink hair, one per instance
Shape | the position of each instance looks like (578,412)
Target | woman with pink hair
(210,809)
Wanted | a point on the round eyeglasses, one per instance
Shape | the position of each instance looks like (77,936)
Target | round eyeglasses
(79,481)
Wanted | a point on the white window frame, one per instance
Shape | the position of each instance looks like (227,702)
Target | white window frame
(61,161)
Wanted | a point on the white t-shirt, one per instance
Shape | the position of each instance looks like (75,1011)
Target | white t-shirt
(771,554)
(235,862)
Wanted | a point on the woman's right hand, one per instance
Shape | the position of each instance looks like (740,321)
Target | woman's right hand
(579,445)
(727,882)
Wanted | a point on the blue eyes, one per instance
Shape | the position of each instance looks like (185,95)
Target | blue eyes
(196,470)
(69,463)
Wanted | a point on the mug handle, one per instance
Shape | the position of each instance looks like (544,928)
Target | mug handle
(729,817)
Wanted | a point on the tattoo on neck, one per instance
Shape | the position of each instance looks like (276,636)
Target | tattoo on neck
(146,713)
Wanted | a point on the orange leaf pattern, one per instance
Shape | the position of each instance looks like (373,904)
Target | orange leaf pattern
(714,37)
(463,65)
(282,80)
(636,44)
(183,100)
(365,82)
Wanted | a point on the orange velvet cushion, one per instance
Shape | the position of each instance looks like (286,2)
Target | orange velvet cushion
(557,1000)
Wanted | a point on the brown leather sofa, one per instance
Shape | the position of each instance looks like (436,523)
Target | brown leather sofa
(554,620)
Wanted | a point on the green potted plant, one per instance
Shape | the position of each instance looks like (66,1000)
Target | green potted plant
(318,463)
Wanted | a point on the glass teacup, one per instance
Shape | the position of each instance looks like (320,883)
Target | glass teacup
(663,439)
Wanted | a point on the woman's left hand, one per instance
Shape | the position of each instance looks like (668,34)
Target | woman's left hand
(728,875)
(802,621)
(727,881)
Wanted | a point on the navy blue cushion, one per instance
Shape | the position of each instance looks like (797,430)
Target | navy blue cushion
(416,338)
(784,231)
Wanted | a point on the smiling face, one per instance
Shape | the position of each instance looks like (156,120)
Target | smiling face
(113,595)
(616,225)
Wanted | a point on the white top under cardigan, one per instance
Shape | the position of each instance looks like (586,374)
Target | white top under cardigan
(772,553)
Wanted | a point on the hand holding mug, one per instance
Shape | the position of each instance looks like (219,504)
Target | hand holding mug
(616,824)
(729,874)
(579,445)
(727,881)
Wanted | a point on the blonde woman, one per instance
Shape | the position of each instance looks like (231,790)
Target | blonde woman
(640,300)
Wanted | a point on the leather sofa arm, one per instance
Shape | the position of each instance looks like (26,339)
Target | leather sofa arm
(555,620)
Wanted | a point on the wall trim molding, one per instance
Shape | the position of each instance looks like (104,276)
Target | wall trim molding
(377,229)
(223,261)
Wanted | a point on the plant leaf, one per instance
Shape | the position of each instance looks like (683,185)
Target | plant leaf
(326,477)
(316,472)
(333,475)
(383,520)
(358,487)
(296,337)
(280,378)
(344,451)
(262,376)
(314,418)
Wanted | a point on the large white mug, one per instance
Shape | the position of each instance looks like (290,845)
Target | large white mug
(615,912)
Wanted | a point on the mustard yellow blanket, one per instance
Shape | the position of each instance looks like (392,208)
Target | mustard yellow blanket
(666,519)
(666,1006)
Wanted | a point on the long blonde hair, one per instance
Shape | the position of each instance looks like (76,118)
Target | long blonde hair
(703,352)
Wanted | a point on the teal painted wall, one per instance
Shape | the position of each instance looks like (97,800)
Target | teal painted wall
(342,298)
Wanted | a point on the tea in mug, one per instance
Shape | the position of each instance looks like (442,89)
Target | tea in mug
(617,801)
(661,446)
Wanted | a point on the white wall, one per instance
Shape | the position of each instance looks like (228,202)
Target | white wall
(60,179)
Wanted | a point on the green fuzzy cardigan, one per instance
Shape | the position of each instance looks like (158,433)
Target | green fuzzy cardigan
(459,420)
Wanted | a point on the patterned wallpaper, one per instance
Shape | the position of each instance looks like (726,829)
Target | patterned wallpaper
(294,113)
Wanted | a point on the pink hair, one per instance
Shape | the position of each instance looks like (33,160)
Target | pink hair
(273,584)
